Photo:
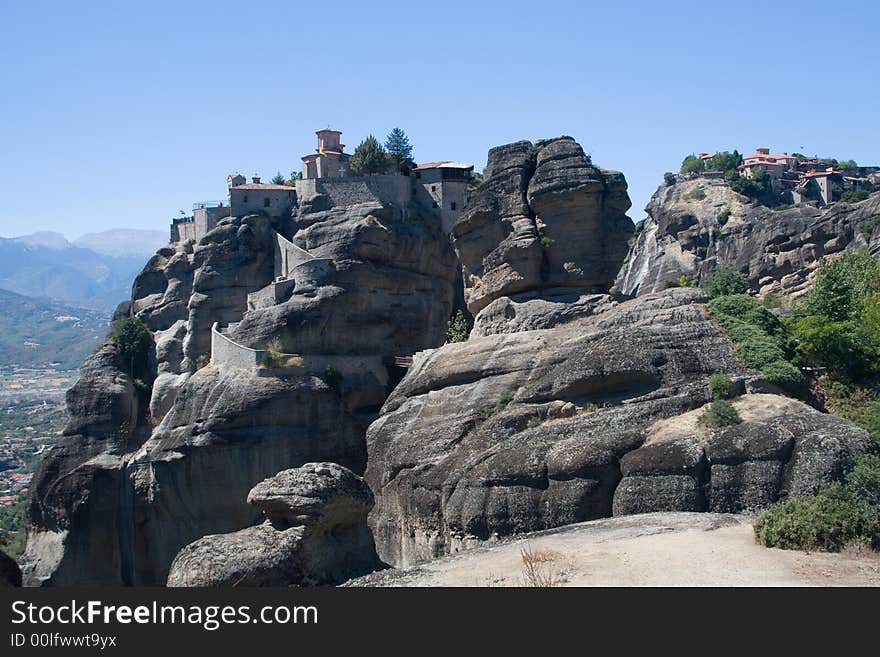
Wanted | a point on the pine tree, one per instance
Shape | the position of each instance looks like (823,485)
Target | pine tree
(399,149)
(369,157)
(278,179)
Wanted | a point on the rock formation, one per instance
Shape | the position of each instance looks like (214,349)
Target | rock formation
(544,218)
(568,403)
(155,459)
(273,344)
(777,249)
(10,573)
(315,532)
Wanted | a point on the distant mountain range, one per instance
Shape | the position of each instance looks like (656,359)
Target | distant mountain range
(39,333)
(95,271)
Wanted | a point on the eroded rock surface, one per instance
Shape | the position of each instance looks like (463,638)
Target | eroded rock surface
(544,217)
(315,532)
(151,462)
(777,250)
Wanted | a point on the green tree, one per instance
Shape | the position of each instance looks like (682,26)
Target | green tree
(132,339)
(399,149)
(725,161)
(278,179)
(692,164)
(725,281)
(369,157)
(848,165)
(669,178)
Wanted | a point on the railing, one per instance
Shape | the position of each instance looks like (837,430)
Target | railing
(201,205)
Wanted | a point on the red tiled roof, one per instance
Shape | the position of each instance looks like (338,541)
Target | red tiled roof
(444,163)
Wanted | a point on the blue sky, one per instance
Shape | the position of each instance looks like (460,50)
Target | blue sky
(122,114)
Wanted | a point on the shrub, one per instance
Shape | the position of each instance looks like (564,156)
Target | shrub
(759,352)
(855,195)
(871,419)
(771,301)
(332,378)
(546,242)
(695,195)
(669,178)
(132,339)
(489,410)
(721,386)
(839,515)
(726,281)
(724,215)
(458,328)
(720,413)
(534,421)
(785,375)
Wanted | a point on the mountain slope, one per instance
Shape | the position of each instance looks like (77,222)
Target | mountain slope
(44,266)
(38,333)
(124,242)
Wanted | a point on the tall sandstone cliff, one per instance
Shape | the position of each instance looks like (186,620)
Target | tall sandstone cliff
(777,249)
(151,462)
(569,401)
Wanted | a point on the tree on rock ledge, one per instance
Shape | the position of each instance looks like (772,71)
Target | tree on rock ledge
(369,157)
(399,150)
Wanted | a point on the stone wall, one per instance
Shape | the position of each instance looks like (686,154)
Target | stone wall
(272,202)
(226,353)
(205,219)
(361,189)
(287,256)
(182,230)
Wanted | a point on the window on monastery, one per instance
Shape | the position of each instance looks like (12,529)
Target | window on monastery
(452,205)
(433,188)
(433,204)
(244,200)
(266,202)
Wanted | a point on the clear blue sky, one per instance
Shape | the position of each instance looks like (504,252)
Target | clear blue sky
(121,114)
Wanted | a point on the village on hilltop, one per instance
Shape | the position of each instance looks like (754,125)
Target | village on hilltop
(793,178)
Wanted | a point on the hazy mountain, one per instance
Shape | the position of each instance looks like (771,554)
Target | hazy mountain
(46,265)
(41,332)
(124,242)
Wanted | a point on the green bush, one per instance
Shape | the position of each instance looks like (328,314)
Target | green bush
(669,178)
(726,281)
(855,195)
(332,378)
(723,216)
(720,413)
(458,328)
(132,339)
(785,375)
(489,410)
(721,386)
(839,515)
(759,352)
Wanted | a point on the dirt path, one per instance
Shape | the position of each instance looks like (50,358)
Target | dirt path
(657,549)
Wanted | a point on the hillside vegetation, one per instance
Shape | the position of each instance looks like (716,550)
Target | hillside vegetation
(39,333)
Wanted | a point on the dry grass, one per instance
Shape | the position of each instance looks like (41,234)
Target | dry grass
(541,567)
